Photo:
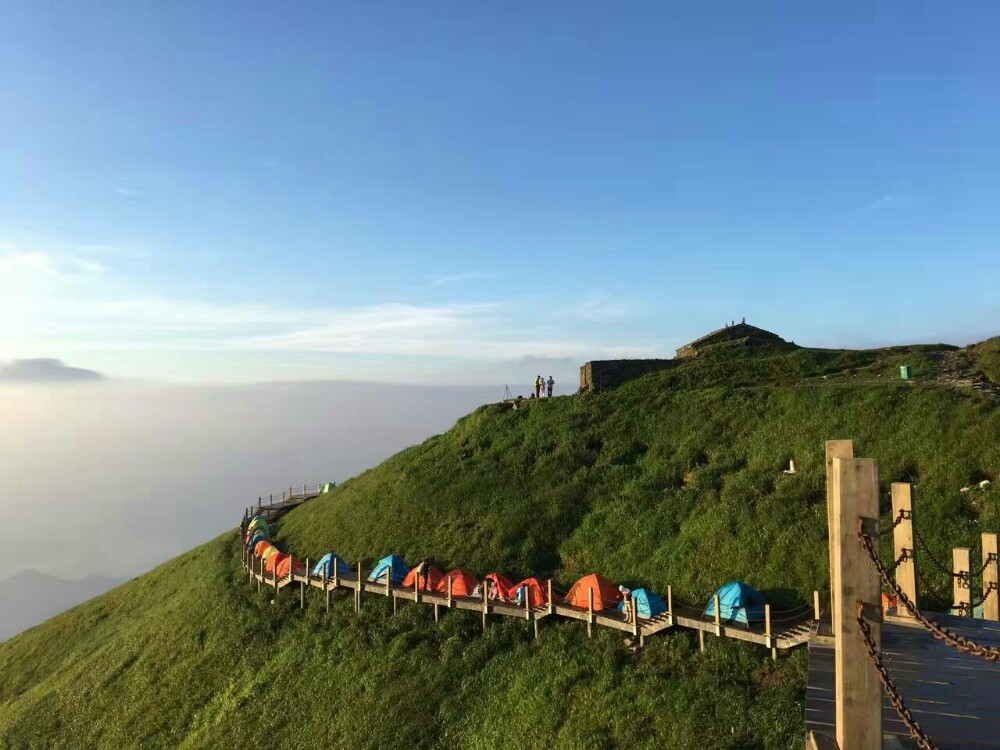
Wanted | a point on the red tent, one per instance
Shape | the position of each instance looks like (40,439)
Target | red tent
(285,565)
(261,547)
(462,582)
(537,593)
(502,583)
(606,594)
(273,560)
(431,579)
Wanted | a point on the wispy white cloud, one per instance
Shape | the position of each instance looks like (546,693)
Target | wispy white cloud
(452,279)
(887,202)
(59,308)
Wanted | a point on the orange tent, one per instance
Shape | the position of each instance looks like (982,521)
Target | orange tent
(502,583)
(537,593)
(271,562)
(463,583)
(284,566)
(431,579)
(261,547)
(606,594)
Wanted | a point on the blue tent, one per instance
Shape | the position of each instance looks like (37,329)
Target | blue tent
(399,569)
(325,565)
(647,602)
(258,536)
(738,602)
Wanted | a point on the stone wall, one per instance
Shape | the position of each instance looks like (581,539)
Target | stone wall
(611,373)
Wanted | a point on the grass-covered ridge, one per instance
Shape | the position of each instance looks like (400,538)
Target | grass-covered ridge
(675,478)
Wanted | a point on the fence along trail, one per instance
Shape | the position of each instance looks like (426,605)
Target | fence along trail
(907,679)
(781,629)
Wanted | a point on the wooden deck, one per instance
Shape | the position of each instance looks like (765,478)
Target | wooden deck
(787,636)
(782,636)
(954,697)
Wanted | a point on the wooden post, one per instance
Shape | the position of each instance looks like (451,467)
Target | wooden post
(449,592)
(485,607)
(635,617)
(834,449)
(670,603)
(388,579)
(767,632)
(718,615)
(357,591)
(991,603)
(527,602)
(961,558)
(260,575)
(336,572)
(701,640)
(855,494)
(274,578)
(590,613)
(302,585)
(816,609)
(326,589)
(902,541)
(416,587)
(448,582)
(552,604)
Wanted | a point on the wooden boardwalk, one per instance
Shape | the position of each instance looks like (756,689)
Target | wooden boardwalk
(784,634)
(954,697)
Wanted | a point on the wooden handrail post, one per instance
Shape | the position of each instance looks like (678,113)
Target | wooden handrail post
(902,542)
(552,603)
(767,632)
(816,608)
(357,591)
(590,612)
(449,592)
(485,607)
(961,564)
(991,597)
(718,615)
(701,640)
(416,587)
(326,589)
(388,579)
(335,573)
(635,617)
(670,603)
(855,495)
(834,449)
(527,602)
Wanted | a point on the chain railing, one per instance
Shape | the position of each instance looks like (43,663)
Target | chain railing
(900,517)
(889,686)
(941,633)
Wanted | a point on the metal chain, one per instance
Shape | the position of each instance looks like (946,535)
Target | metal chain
(902,516)
(903,557)
(990,588)
(938,563)
(940,633)
(990,557)
(892,692)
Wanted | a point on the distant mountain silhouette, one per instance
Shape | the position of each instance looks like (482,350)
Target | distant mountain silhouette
(29,598)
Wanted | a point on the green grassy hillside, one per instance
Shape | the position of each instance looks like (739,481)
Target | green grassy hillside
(675,478)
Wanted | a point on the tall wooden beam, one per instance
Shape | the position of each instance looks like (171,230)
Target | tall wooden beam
(855,494)
(902,541)
(834,449)
(991,597)
(961,564)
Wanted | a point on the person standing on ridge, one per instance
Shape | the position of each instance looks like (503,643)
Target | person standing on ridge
(538,386)
(550,383)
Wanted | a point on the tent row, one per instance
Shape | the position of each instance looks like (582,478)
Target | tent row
(738,602)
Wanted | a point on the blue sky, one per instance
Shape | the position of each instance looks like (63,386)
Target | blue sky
(469,192)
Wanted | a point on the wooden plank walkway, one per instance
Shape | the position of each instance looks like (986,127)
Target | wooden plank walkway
(954,697)
(784,635)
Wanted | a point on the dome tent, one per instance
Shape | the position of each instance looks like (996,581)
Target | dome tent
(738,602)
(537,594)
(502,583)
(463,583)
(399,570)
(431,579)
(648,603)
(325,565)
(606,594)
